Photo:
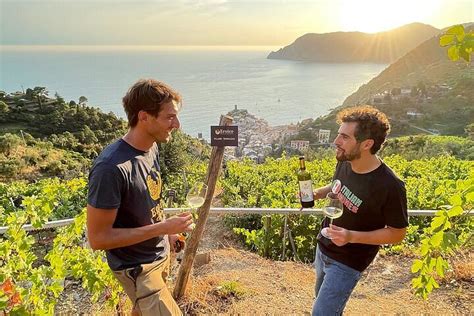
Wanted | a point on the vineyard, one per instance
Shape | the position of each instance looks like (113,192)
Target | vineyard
(32,280)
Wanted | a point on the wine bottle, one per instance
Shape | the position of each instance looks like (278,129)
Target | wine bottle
(306,186)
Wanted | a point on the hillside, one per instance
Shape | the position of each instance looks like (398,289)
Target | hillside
(428,63)
(31,159)
(42,136)
(383,47)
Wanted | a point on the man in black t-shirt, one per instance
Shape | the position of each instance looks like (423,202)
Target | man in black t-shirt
(124,214)
(374,209)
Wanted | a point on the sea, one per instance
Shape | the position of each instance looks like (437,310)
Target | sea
(212,80)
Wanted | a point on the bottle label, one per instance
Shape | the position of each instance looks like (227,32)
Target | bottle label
(306,191)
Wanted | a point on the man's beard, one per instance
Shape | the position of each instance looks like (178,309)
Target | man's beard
(354,154)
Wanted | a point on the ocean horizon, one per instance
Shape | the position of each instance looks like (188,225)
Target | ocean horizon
(211,79)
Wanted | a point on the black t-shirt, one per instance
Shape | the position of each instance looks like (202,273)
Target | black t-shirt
(128,179)
(371,201)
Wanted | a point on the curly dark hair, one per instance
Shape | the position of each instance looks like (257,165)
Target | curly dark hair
(371,124)
(147,95)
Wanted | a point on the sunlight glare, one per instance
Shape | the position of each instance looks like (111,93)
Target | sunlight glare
(373,16)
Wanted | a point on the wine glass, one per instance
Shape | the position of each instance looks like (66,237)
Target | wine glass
(196,196)
(333,209)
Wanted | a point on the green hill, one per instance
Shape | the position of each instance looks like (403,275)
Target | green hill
(383,47)
(427,63)
(42,136)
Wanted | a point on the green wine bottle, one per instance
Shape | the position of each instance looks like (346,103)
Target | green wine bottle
(306,186)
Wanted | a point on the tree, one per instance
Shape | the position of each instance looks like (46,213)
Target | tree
(29,94)
(59,99)
(83,100)
(3,108)
(421,88)
(470,130)
(87,136)
(8,142)
(39,93)
(396,91)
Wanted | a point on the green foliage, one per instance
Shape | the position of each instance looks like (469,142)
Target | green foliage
(273,185)
(183,161)
(231,289)
(68,125)
(470,131)
(82,100)
(3,108)
(30,159)
(29,288)
(68,198)
(10,166)
(8,142)
(460,43)
(449,229)
(425,146)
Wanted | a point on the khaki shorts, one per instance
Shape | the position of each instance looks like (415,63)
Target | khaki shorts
(147,288)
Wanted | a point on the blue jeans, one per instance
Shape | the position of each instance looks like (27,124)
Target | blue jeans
(334,284)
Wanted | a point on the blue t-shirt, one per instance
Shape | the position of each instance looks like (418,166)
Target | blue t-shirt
(129,180)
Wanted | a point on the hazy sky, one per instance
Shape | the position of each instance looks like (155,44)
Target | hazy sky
(210,22)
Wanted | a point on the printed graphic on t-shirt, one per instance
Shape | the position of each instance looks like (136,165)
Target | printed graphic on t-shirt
(351,201)
(336,186)
(157,213)
(153,183)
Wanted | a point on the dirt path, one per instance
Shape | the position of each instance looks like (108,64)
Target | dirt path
(240,282)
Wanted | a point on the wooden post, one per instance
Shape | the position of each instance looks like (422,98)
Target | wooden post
(292,242)
(267,224)
(285,228)
(215,162)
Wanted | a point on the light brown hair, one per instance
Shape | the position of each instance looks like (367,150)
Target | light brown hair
(147,95)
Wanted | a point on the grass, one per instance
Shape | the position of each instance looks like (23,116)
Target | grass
(231,289)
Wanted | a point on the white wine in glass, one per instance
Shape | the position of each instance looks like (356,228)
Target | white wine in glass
(195,201)
(333,209)
(196,197)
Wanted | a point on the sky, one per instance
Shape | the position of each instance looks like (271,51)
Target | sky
(211,22)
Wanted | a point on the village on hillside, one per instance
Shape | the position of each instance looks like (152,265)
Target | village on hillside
(414,98)
(257,139)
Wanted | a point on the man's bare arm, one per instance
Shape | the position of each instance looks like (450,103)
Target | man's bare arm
(102,235)
(387,235)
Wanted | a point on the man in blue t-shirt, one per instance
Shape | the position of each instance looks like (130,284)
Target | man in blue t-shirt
(124,214)
(374,209)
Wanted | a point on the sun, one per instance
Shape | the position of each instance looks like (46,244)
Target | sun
(373,16)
